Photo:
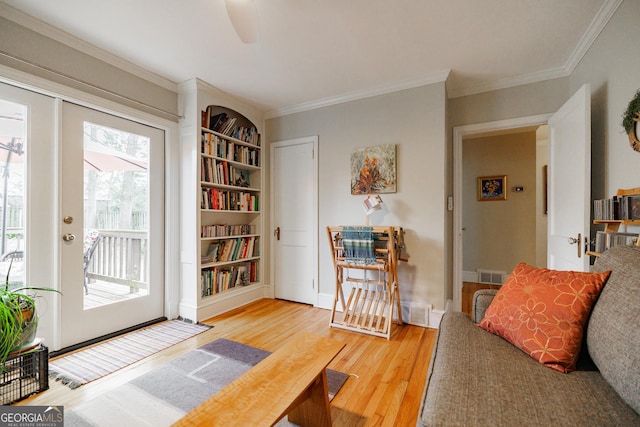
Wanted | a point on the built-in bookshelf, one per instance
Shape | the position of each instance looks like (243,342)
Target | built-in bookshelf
(623,209)
(222,200)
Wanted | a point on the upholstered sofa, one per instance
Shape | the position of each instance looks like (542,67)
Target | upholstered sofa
(477,378)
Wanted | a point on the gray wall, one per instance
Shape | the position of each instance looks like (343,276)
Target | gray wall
(414,120)
(33,47)
(612,68)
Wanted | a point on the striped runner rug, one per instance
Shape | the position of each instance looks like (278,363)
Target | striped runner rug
(97,361)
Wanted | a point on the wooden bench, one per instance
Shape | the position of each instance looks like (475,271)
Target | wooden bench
(291,381)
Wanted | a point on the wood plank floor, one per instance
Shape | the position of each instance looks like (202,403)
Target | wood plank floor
(387,379)
(468,289)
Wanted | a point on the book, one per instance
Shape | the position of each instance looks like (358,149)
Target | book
(633,207)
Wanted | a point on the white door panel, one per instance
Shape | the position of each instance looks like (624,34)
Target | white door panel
(569,183)
(293,174)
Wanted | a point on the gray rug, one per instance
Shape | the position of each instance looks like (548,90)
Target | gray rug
(167,393)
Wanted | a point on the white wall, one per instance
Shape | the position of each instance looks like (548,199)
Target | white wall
(414,120)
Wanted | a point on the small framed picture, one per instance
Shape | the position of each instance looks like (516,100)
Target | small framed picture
(492,188)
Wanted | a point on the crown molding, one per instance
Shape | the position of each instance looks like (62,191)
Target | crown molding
(597,25)
(73,42)
(523,79)
(436,77)
(599,22)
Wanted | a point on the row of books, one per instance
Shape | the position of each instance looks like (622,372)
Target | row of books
(606,240)
(221,172)
(231,250)
(224,230)
(219,279)
(215,146)
(226,125)
(229,200)
(249,135)
(617,208)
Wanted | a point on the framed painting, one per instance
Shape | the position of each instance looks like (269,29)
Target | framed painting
(373,170)
(492,188)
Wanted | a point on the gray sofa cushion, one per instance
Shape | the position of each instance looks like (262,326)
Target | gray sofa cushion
(478,379)
(613,331)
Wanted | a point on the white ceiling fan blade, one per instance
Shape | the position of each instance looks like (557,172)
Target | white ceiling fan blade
(243,15)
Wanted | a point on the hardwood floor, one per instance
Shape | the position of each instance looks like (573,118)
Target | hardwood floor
(468,289)
(387,379)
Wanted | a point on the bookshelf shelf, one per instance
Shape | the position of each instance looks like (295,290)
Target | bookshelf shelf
(623,205)
(617,221)
(221,265)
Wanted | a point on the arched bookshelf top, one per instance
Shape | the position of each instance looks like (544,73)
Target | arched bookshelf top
(231,123)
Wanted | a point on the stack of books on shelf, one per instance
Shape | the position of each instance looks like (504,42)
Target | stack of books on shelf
(225,230)
(606,240)
(216,199)
(624,208)
(219,279)
(212,145)
(224,124)
(231,250)
(220,172)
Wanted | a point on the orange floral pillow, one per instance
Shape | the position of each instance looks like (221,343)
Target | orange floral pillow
(543,312)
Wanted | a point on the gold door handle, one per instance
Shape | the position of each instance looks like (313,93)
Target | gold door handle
(578,240)
(68,237)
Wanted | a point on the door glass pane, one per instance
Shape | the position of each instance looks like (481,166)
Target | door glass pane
(12,184)
(116,212)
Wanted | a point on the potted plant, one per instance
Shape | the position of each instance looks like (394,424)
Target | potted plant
(18,317)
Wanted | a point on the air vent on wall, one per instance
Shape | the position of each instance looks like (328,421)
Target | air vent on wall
(491,277)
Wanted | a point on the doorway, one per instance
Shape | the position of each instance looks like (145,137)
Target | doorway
(500,233)
(459,135)
(569,183)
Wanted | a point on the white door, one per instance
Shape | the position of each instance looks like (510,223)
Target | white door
(294,196)
(111,224)
(569,183)
(28,193)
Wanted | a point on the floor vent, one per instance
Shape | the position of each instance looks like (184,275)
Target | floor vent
(415,314)
(491,277)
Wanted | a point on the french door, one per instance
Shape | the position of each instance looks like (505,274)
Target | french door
(28,198)
(111,224)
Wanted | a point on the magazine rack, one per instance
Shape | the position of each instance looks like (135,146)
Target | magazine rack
(372,286)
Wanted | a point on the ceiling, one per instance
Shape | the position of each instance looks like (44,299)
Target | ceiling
(317,52)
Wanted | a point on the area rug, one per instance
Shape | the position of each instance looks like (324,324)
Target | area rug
(165,394)
(97,361)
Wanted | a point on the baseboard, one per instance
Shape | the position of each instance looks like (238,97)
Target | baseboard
(435,318)
(470,276)
(325,301)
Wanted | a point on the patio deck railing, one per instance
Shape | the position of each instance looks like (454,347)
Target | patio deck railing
(120,257)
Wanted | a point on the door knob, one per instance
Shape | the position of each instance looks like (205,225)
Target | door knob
(68,237)
(276,233)
(578,240)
